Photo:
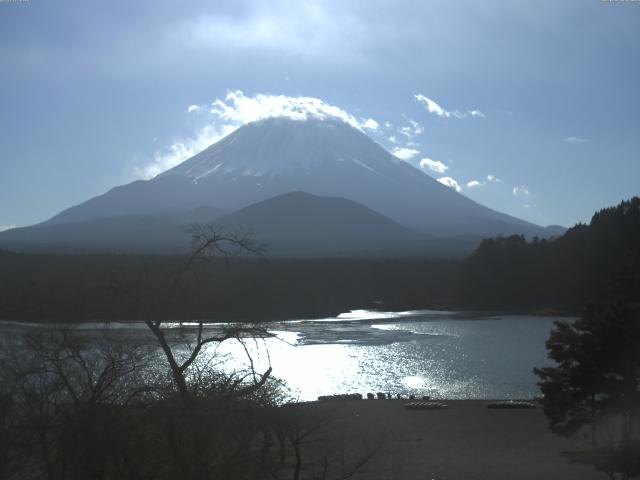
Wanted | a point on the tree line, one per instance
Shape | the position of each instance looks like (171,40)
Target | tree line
(505,273)
(511,273)
(76,288)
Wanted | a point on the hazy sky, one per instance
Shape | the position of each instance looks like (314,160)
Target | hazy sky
(529,107)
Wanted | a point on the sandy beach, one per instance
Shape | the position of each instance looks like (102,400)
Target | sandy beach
(466,441)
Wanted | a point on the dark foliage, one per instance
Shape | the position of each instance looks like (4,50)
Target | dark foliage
(505,273)
(598,367)
(596,377)
(82,287)
(562,273)
(77,407)
(101,407)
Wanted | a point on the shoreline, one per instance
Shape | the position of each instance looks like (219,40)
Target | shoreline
(465,441)
(468,313)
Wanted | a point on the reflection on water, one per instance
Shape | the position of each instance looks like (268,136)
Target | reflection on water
(441,354)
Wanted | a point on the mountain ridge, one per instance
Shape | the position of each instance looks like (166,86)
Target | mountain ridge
(325,158)
(321,157)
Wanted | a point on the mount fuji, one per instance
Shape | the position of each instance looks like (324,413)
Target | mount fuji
(326,158)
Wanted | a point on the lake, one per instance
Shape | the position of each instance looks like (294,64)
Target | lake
(452,355)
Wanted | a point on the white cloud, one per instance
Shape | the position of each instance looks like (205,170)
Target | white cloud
(521,191)
(575,140)
(178,152)
(433,165)
(433,107)
(451,183)
(236,109)
(411,130)
(392,139)
(404,153)
(370,124)
(7,227)
(478,183)
(240,109)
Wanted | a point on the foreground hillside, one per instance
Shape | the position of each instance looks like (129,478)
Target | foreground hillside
(511,273)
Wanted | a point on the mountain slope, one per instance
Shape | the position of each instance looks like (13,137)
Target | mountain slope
(323,157)
(293,224)
(139,233)
(299,224)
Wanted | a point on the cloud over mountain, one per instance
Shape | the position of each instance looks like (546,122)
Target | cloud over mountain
(451,183)
(225,115)
(239,109)
(433,165)
(405,153)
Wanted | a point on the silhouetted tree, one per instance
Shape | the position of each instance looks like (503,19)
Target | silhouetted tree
(66,402)
(597,376)
(209,243)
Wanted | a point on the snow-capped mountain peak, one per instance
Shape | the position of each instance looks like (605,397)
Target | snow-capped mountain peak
(326,157)
(279,146)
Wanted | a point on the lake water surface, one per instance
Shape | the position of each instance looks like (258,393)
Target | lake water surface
(451,355)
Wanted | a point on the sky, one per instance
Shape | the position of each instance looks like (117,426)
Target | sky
(527,107)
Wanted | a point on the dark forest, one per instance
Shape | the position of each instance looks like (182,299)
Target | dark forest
(504,274)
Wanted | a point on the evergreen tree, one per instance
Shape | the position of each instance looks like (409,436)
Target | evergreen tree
(597,374)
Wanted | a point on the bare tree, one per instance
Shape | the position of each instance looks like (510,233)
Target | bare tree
(198,434)
(74,406)
(68,400)
(210,243)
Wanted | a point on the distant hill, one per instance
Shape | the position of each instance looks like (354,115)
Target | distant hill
(563,273)
(554,231)
(295,224)
(300,224)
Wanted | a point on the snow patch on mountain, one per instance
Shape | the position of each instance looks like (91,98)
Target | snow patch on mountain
(363,165)
(278,146)
(320,156)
